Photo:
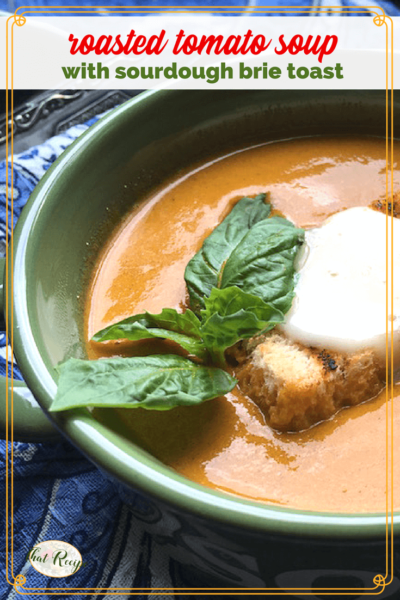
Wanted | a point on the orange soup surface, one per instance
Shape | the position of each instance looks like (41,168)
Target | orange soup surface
(337,465)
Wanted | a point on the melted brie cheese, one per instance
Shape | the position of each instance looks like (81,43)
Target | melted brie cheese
(340,301)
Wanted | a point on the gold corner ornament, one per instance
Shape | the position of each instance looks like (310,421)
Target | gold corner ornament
(379,20)
(19,580)
(19,20)
(379,581)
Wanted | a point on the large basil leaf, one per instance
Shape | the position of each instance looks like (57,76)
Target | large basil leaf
(182,328)
(159,382)
(263,263)
(231,315)
(204,269)
(241,282)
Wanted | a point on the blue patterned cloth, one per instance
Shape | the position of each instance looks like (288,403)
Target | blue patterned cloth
(391,8)
(58,494)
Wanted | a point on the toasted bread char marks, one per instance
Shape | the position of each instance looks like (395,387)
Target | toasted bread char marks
(296,386)
(391,207)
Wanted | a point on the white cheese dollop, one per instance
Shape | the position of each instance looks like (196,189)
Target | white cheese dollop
(340,301)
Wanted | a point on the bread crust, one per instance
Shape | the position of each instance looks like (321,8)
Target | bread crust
(392,207)
(296,386)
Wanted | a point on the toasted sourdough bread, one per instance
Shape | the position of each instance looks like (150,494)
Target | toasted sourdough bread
(296,386)
(382,205)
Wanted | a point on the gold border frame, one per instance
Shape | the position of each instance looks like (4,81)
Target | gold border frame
(379,19)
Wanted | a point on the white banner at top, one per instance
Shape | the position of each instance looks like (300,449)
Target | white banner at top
(198,52)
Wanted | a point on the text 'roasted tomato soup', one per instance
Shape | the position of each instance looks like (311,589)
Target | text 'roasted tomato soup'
(225,443)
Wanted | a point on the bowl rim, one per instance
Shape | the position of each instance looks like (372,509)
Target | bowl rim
(109,451)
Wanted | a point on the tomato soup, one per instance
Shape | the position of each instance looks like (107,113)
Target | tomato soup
(337,465)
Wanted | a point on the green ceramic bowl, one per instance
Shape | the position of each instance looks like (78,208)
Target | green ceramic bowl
(63,227)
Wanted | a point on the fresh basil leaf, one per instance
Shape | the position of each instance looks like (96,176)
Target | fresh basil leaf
(159,382)
(203,270)
(182,328)
(262,264)
(231,315)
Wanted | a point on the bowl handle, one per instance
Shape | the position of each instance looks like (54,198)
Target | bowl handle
(26,420)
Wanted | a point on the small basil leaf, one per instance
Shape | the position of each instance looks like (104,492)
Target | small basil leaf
(232,315)
(263,263)
(159,382)
(203,270)
(182,328)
